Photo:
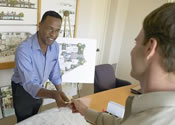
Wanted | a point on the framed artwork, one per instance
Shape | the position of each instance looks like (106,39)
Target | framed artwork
(6,101)
(69,23)
(10,40)
(1,116)
(16,25)
(18,12)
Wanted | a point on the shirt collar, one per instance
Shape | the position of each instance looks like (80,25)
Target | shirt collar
(152,100)
(35,44)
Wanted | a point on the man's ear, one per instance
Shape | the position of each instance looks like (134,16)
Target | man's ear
(39,25)
(151,48)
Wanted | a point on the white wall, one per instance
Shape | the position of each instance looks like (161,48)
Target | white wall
(92,19)
(137,10)
(114,34)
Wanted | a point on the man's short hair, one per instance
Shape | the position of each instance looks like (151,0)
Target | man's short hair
(52,14)
(160,24)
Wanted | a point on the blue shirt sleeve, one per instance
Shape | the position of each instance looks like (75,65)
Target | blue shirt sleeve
(55,75)
(24,65)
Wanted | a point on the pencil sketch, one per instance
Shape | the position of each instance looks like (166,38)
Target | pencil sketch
(9,42)
(18,12)
(11,15)
(1,116)
(7,106)
(18,3)
(7,101)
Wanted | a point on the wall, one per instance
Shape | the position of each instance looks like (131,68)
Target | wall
(114,34)
(5,77)
(92,22)
(137,10)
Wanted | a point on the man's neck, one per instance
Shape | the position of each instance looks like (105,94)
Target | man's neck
(44,49)
(157,79)
(42,46)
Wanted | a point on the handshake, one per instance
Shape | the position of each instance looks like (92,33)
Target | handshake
(76,105)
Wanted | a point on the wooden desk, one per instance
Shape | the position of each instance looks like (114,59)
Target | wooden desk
(100,100)
(96,101)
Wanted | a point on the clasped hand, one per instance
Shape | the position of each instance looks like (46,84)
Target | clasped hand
(61,98)
(76,105)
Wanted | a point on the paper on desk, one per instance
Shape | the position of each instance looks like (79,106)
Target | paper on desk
(116,109)
(55,116)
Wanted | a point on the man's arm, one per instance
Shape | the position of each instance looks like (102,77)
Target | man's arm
(97,118)
(54,94)
(29,78)
(58,95)
(62,94)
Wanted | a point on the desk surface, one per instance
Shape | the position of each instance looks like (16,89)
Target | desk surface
(96,101)
(100,100)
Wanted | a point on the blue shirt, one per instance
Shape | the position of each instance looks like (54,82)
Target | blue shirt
(33,68)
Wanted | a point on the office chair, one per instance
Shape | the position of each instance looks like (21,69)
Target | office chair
(105,78)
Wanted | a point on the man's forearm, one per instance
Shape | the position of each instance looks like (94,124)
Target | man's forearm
(58,87)
(45,93)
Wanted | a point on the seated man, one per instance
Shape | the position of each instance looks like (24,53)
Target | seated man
(153,64)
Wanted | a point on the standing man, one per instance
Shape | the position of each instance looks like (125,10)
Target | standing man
(153,64)
(36,61)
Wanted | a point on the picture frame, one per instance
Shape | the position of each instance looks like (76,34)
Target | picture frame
(15,20)
(1,115)
(7,108)
(18,12)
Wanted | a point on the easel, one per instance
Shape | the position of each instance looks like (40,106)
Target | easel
(65,18)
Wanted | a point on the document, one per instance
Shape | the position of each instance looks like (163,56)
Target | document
(55,116)
(116,109)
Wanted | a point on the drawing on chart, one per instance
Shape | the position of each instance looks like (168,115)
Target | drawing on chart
(77,59)
(71,56)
